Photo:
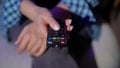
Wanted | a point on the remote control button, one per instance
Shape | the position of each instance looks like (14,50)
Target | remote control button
(58,38)
(56,45)
(63,35)
(54,38)
(58,41)
(49,42)
(49,38)
(62,38)
(62,43)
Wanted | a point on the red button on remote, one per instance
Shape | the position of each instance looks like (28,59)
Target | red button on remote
(62,42)
(62,38)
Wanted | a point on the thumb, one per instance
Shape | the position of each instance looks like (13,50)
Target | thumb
(55,26)
(53,23)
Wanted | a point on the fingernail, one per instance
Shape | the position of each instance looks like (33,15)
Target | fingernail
(70,21)
(56,27)
(71,27)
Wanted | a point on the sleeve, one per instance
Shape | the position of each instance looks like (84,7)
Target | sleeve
(10,15)
(93,3)
(81,7)
(11,12)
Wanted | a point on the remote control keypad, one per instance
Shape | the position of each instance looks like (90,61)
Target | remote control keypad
(57,38)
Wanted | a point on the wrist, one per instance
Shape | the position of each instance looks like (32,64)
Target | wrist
(29,9)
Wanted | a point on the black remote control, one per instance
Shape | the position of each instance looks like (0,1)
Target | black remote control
(57,38)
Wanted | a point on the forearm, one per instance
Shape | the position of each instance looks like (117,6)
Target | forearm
(29,9)
(32,11)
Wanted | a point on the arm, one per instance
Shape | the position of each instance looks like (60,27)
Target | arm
(35,11)
(33,37)
(31,7)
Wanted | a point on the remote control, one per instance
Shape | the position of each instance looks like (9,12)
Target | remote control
(57,38)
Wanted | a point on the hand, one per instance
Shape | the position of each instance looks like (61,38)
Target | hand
(33,38)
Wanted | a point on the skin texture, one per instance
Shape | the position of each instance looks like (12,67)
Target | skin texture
(32,39)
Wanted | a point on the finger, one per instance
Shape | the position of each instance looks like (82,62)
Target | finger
(31,44)
(68,23)
(71,28)
(41,50)
(52,23)
(19,39)
(36,47)
(23,44)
